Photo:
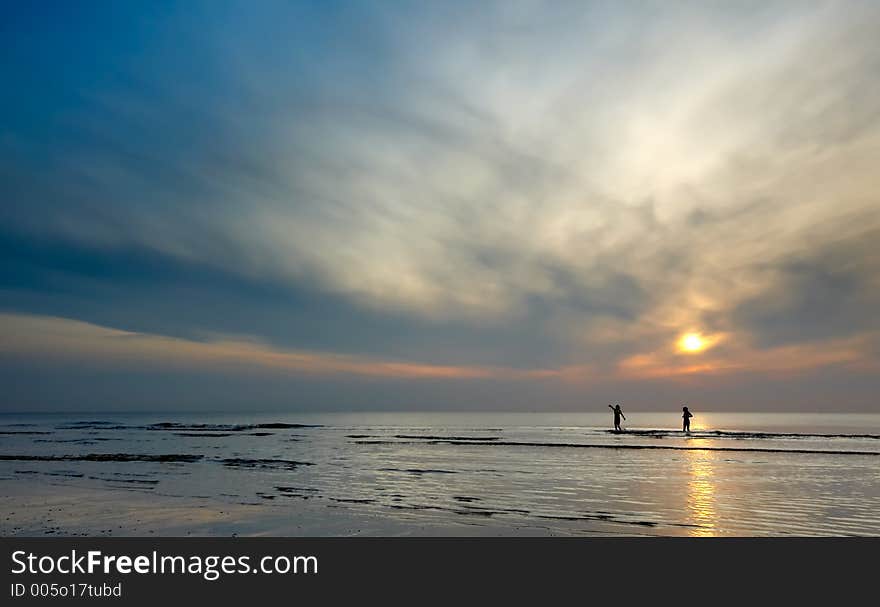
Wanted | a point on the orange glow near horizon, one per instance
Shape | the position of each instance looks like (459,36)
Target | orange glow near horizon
(48,338)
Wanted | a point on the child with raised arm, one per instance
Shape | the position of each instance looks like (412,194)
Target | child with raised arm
(617,415)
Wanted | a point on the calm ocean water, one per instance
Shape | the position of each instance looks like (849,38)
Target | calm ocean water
(736,474)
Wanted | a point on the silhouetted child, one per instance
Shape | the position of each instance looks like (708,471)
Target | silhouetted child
(617,415)
(686,419)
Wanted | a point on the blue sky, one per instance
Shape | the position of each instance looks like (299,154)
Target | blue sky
(368,205)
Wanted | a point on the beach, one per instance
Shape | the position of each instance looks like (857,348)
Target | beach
(424,474)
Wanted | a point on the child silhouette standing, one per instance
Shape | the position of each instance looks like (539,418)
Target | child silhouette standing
(686,420)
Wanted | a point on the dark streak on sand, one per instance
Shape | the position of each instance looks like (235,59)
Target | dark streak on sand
(285,464)
(619,446)
(485,513)
(282,426)
(126,480)
(418,470)
(103,457)
(93,426)
(740,435)
(597,517)
(468,510)
(424,437)
(174,426)
(77,441)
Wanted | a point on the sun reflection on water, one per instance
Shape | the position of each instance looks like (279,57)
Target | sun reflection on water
(701,492)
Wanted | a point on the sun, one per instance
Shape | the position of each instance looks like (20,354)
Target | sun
(691,342)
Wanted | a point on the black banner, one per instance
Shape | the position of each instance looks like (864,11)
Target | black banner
(232,570)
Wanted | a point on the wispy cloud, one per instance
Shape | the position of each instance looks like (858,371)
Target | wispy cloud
(521,190)
(59,339)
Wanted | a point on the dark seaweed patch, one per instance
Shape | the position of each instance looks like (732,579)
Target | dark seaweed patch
(66,473)
(284,489)
(282,464)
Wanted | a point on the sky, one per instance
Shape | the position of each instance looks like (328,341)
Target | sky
(517,205)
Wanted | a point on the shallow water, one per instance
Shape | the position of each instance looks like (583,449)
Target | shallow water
(736,474)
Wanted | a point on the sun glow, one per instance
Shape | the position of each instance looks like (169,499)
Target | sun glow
(691,342)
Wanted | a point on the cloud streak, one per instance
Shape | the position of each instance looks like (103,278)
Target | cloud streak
(63,340)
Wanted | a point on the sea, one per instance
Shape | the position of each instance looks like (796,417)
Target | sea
(735,474)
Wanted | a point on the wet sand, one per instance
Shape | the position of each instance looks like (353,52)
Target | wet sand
(330,475)
(52,511)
